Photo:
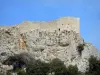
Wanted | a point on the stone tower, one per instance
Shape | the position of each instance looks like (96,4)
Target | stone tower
(65,23)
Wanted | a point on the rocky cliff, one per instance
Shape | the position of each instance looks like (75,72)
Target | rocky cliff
(66,45)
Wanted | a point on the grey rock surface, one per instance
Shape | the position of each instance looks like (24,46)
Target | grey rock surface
(46,45)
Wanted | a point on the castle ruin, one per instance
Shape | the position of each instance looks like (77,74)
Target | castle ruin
(65,23)
(46,41)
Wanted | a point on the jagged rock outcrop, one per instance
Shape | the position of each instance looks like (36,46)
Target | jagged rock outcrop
(46,45)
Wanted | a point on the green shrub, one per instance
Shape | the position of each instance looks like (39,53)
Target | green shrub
(58,67)
(72,70)
(94,66)
(8,73)
(21,72)
(80,48)
(39,68)
(2,73)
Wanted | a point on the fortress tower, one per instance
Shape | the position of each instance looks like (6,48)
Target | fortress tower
(69,23)
(64,23)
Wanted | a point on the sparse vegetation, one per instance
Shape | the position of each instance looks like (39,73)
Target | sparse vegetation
(2,74)
(80,48)
(39,68)
(21,72)
(57,67)
(8,73)
(94,66)
(72,70)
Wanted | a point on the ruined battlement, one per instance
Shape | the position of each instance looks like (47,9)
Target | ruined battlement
(65,23)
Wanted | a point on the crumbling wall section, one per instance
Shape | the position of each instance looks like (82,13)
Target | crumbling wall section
(65,23)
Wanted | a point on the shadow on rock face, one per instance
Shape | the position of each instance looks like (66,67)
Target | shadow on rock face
(20,60)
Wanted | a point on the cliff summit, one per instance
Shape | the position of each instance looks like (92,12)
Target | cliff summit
(48,40)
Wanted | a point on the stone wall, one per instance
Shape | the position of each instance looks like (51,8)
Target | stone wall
(65,23)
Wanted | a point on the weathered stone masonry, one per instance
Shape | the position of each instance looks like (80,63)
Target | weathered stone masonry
(66,23)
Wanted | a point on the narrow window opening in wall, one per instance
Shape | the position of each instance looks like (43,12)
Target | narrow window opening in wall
(59,29)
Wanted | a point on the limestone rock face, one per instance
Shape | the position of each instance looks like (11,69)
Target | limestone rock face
(46,45)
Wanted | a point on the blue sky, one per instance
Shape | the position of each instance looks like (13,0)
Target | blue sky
(16,11)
